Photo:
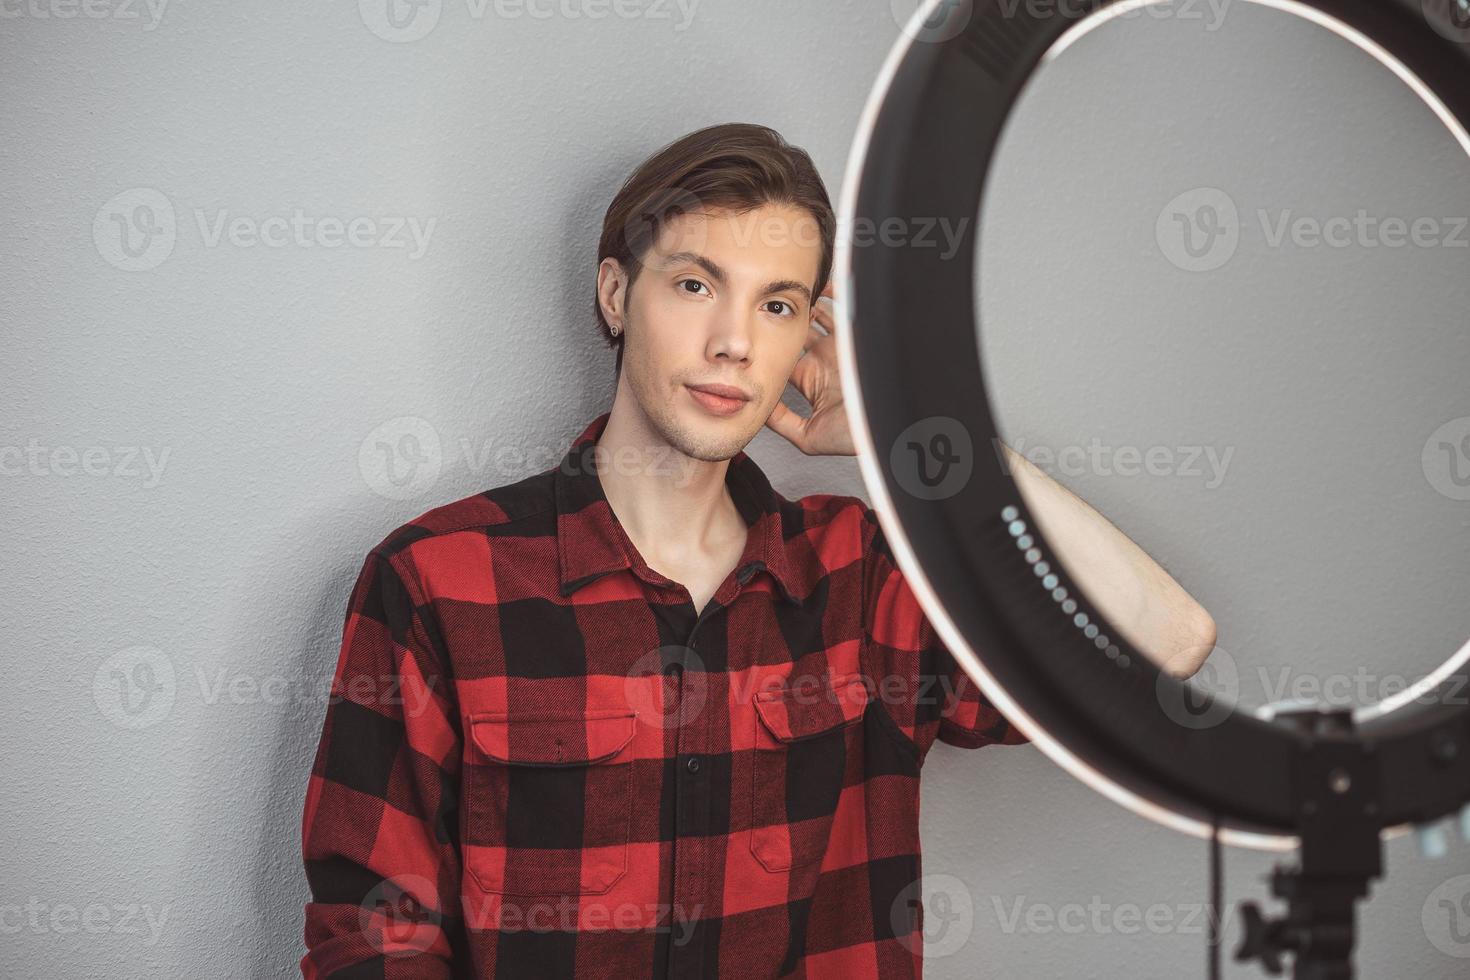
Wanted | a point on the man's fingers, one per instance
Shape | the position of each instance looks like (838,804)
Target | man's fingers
(812,336)
(787,424)
(822,313)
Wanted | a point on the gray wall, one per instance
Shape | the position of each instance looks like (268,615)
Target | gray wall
(192,432)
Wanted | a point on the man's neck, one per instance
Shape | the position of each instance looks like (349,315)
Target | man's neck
(674,507)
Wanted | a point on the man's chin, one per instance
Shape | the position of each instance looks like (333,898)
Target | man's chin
(712,440)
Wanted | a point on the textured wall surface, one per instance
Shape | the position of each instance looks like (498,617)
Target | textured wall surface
(278,277)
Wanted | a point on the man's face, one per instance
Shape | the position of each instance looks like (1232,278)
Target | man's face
(722,299)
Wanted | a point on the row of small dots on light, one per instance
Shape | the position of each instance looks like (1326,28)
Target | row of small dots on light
(1042,569)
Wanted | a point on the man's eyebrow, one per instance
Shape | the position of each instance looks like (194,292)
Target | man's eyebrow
(718,274)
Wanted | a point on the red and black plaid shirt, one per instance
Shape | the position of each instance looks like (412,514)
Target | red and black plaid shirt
(540,760)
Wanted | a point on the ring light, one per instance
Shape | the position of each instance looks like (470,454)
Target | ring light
(1332,784)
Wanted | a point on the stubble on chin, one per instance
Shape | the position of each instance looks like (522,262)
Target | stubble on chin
(696,445)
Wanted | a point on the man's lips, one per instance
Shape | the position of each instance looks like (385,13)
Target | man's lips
(719,399)
(724,391)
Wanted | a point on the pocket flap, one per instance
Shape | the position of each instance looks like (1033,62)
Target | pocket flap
(809,707)
(571,739)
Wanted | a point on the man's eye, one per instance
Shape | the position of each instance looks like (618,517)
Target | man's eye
(782,302)
(696,282)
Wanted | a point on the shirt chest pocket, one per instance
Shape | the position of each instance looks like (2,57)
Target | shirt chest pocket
(548,801)
(807,744)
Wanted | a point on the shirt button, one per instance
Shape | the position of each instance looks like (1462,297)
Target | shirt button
(693,764)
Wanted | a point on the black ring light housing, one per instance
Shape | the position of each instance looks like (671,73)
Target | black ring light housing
(1333,783)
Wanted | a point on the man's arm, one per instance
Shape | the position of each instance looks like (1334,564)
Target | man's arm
(379,828)
(1136,595)
(915,677)
(1150,609)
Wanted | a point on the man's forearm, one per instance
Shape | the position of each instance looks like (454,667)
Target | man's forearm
(1143,601)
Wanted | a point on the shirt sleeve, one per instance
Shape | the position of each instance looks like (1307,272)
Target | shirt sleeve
(914,675)
(379,830)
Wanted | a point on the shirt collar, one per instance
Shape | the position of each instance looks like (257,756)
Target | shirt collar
(590,541)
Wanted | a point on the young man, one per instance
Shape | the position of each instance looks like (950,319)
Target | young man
(640,715)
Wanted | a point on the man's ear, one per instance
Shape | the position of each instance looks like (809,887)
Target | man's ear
(612,282)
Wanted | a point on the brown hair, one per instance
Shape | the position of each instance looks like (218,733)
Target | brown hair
(732,166)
